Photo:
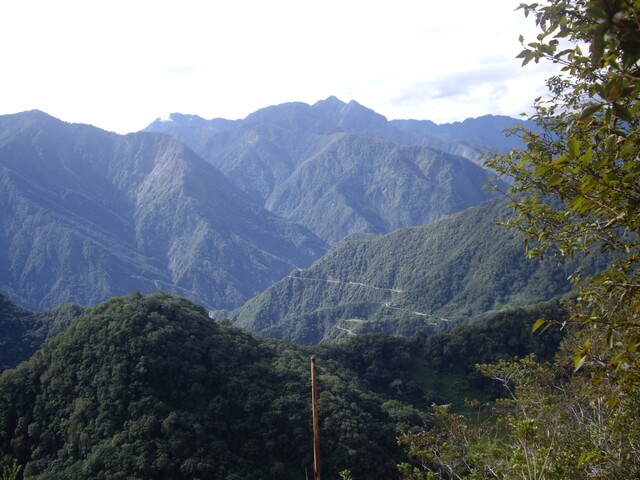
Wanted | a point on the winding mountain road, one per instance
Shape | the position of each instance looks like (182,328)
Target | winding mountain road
(386,304)
(333,280)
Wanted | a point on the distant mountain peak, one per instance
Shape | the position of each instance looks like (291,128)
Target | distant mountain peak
(181,117)
(280,110)
(30,117)
(35,114)
(331,102)
(354,104)
(350,116)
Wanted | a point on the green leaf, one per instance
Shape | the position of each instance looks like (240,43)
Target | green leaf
(580,204)
(555,180)
(578,361)
(560,161)
(614,88)
(586,157)
(630,53)
(573,146)
(622,112)
(540,322)
(611,177)
(597,12)
(526,55)
(586,457)
(590,111)
(541,170)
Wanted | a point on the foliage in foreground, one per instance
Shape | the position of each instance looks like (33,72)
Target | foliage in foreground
(576,190)
(577,185)
(553,425)
(10,472)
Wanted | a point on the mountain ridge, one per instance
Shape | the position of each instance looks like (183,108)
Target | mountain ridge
(267,154)
(119,213)
(92,214)
(456,269)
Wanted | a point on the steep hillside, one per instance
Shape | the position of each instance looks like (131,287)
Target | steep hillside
(88,214)
(22,332)
(150,387)
(427,277)
(336,168)
(360,184)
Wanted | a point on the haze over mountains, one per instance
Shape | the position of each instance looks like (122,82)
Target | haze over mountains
(89,214)
(303,223)
(340,168)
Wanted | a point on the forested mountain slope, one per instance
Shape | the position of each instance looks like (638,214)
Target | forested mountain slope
(361,184)
(150,387)
(451,270)
(22,332)
(89,214)
(338,168)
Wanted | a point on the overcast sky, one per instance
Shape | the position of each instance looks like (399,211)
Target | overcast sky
(119,65)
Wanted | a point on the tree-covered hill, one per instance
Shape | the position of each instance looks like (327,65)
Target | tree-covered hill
(339,168)
(88,214)
(150,387)
(429,277)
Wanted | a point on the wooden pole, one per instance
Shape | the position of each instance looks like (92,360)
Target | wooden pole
(316,422)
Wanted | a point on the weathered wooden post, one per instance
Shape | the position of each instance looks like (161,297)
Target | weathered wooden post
(316,422)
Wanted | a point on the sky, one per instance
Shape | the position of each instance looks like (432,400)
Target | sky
(119,65)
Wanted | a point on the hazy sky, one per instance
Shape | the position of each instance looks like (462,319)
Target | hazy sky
(119,64)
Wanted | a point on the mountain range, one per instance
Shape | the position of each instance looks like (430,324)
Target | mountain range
(89,214)
(469,138)
(340,168)
(366,243)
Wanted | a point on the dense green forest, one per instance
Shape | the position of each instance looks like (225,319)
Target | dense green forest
(22,332)
(151,387)
(429,277)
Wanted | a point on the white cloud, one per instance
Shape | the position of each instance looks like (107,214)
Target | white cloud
(119,64)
